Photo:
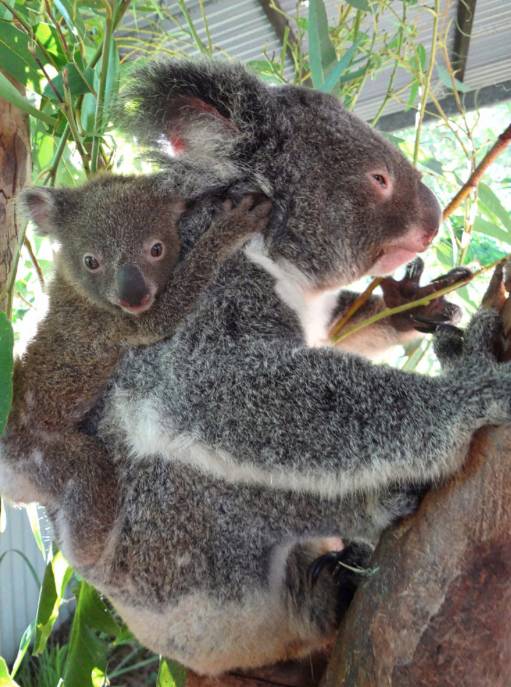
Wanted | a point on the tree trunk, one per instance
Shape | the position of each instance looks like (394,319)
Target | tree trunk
(437,612)
(14,172)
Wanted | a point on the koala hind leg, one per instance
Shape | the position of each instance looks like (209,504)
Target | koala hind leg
(319,586)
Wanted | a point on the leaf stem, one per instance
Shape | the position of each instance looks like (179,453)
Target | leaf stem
(427,84)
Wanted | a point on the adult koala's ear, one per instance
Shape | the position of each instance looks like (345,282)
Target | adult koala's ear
(204,110)
(45,207)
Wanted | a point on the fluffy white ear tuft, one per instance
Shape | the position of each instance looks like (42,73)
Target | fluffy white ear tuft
(198,130)
(38,205)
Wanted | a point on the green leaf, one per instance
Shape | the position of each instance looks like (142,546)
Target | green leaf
(86,659)
(170,674)
(321,51)
(448,82)
(15,57)
(77,84)
(421,57)
(24,644)
(112,82)
(56,578)
(5,677)
(6,368)
(71,16)
(360,4)
(434,165)
(13,96)
(33,519)
(482,226)
(336,72)
(413,94)
(491,202)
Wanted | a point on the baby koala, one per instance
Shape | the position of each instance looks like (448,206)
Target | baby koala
(119,282)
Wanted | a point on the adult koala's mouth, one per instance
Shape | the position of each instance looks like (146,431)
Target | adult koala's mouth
(401,251)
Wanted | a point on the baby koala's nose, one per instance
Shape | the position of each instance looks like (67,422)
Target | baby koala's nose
(132,287)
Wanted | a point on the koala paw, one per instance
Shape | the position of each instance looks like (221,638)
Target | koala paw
(252,211)
(428,317)
(347,567)
(483,340)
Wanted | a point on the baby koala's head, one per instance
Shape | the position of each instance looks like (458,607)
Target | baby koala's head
(118,236)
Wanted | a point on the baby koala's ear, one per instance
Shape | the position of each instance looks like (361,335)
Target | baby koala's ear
(45,207)
(38,204)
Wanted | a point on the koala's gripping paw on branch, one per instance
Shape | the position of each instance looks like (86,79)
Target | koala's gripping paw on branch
(346,567)
(428,317)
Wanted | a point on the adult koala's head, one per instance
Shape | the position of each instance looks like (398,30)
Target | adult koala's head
(347,203)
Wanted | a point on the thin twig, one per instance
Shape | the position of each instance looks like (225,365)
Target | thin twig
(359,301)
(37,266)
(497,149)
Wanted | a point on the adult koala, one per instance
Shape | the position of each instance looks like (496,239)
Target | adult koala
(252,445)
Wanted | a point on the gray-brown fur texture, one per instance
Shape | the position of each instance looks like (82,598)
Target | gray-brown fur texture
(245,446)
(118,282)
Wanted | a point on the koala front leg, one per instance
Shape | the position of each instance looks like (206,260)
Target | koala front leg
(73,476)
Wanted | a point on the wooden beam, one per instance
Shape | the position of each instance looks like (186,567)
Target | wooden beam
(279,21)
(464,20)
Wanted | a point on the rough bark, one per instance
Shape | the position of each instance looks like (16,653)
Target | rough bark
(14,172)
(437,612)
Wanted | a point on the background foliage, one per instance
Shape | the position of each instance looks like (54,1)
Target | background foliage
(70,57)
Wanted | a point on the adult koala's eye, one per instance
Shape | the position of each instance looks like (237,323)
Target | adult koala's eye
(157,250)
(91,263)
(380,179)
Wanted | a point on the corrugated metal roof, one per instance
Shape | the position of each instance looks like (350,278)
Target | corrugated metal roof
(243,30)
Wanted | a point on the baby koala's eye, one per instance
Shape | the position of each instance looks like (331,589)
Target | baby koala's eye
(157,250)
(90,262)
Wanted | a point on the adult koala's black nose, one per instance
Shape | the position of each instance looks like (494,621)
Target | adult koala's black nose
(430,211)
(131,285)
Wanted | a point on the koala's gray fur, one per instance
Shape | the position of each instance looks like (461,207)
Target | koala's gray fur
(245,447)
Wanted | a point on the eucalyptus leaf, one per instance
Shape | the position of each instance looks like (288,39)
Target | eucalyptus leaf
(321,50)
(6,369)
(56,578)
(15,57)
(77,84)
(170,674)
(24,645)
(13,96)
(489,200)
(86,659)
(5,677)
(362,5)
(482,226)
(336,72)
(448,81)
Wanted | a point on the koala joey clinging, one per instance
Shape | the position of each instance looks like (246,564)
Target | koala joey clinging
(246,446)
(118,282)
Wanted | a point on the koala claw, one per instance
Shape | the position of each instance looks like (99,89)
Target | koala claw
(347,567)
(425,318)
(253,208)
(340,563)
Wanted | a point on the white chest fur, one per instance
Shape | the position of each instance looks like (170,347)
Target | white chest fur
(313,308)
